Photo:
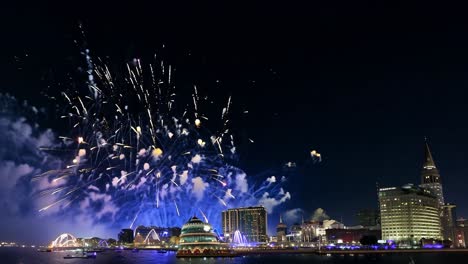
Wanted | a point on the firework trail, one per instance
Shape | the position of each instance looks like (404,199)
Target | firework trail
(135,156)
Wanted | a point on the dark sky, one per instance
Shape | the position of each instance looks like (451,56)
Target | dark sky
(363,82)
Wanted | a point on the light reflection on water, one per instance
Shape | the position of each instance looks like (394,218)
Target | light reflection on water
(31,256)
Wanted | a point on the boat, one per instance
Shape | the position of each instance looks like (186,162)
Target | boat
(162,251)
(44,250)
(83,255)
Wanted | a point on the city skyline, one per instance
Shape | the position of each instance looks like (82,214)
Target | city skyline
(364,95)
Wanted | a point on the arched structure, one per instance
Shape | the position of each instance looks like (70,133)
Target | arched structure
(103,244)
(152,236)
(65,240)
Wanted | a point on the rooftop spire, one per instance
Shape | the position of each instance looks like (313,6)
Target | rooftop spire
(281,219)
(428,160)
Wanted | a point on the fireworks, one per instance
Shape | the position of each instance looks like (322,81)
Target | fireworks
(135,156)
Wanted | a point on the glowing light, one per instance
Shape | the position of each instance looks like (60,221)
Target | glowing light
(201,143)
(157,152)
(197,122)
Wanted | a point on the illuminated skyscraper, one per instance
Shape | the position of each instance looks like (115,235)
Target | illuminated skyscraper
(430,177)
(408,214)
(431,180)
(250,221)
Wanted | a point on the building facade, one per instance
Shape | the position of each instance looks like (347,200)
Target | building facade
(448,222)
(281,231)
(250,221)
(409,214)
(350,236)
(461,233)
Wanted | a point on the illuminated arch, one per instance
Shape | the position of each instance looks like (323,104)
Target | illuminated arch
(154,236)
(65,240)
(103,244)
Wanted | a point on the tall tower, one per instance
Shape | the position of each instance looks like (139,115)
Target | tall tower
(281,230)
(430,177)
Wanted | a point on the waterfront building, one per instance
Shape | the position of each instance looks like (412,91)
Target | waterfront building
(461,233)
(281,231)
(431,180)
(368,217)
(251,222)
(448,222)
(126,236)
(309,230)
(198,239)
(296,233)
(350,235)
(408,214)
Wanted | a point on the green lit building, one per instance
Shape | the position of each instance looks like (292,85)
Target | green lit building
(408,214)
(198,239)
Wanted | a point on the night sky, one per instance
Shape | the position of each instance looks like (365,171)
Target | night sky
(362,83)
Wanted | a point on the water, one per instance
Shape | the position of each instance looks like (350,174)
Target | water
(31,256)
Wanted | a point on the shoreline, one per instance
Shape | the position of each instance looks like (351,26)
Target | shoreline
(347,252)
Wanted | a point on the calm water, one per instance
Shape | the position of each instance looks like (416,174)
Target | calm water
(31,256)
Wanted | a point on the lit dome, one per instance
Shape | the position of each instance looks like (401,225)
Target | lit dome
(198,238)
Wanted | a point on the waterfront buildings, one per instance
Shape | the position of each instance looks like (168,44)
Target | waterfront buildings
(250,221)
(409,213)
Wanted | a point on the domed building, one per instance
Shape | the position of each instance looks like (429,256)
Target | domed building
(198,239)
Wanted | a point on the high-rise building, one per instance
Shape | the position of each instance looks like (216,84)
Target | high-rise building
(281,231)
(368,217)
(126,236)
(430,177)
(431,180)
(250,221)
(408,214)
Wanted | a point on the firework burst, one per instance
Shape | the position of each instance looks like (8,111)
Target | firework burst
(136,156)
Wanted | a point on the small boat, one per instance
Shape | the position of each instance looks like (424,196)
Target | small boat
(44,250)
(162,251)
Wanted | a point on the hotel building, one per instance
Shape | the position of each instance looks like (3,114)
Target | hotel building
(250,221)
(408,214)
